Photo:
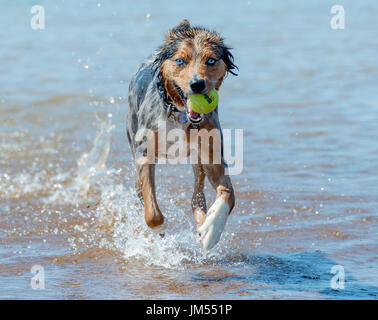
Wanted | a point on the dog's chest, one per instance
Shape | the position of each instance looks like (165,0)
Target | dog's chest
(173,141)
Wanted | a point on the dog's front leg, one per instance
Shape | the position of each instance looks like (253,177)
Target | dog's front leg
(146,183)
(210,230)
(198,198)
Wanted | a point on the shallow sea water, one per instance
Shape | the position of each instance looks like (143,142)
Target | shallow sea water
(306,98)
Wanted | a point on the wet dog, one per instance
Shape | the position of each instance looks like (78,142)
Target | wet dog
(192,60)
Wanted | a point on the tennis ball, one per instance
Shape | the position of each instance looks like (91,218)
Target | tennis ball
(203,103)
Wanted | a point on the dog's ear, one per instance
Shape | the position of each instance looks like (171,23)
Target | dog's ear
(174,33)
(228,59)
(184,24)
(172,40)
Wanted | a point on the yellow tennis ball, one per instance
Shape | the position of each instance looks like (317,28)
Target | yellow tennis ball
(203,103)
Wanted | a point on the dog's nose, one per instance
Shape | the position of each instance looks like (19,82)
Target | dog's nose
(197,86)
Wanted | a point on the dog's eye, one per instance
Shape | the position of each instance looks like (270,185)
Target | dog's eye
(180,61)
(211,62)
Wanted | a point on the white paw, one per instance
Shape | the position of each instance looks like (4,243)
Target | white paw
(161,229)
(210,231)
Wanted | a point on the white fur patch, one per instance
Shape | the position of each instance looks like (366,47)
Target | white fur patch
(209,233)
(161,229)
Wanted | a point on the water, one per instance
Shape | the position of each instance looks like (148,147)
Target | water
(306,98)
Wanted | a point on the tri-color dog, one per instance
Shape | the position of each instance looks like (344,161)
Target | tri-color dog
(192,60)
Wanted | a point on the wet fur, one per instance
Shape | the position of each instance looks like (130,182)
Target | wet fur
(184,41)
(147,108)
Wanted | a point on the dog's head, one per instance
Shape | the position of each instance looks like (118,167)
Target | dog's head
(192,60)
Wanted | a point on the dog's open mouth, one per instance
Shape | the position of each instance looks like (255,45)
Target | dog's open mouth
(194,117)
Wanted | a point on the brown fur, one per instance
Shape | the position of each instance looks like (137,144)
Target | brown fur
(195,46)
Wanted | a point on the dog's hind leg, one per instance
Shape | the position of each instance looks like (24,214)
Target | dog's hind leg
(198,198)
(146,184)
(215,220)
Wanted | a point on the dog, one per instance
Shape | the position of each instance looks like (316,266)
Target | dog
(192,60)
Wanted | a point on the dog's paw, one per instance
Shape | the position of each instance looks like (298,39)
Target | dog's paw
(210,231)
(160,230)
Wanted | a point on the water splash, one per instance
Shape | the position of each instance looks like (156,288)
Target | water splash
(90,171)
(122,215)
(96,207)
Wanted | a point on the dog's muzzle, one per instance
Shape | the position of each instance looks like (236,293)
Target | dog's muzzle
(194,117)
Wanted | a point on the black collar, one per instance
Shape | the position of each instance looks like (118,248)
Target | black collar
(169,105)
